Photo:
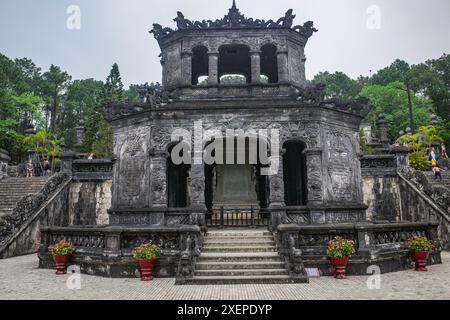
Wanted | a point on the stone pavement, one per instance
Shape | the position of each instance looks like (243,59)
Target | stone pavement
(21,279)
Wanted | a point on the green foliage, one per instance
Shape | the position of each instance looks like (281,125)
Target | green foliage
(113,88)
(62,248)
(420,244)
(419,161)
(339,247)
(339,85)
(103,144)
(45,146)
(392,101)
(147,251)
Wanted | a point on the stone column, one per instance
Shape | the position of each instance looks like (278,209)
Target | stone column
(314,175)
(186,68)
(276,193)
(158,179)
(67,161)
(283,71)
(213,67)
(382,130)
(4,160)
(401,155)
(255,58)
(197,186)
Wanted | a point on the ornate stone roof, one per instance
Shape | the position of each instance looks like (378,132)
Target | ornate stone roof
(235,20)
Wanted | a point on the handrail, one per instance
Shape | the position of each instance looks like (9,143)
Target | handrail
(426,198)
(34,216)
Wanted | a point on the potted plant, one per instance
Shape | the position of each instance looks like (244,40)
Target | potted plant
(61,252)
(338,252)
(420,248)
(147,255)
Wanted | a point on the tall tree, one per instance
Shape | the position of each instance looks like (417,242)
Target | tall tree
(55,83)
(339,85)
(113,89)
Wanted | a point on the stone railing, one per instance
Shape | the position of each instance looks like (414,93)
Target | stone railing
(385,245)
(378,165)
(92,170)
(18,230)
(98,248)
(439,194)
(157,216)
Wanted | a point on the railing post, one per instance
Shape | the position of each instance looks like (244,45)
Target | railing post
(221,217)
(252,216)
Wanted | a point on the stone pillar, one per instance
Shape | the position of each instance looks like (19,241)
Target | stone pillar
(4,160)
(255,58)
(314,175)
(401,154)
(382,130)
(283,71)
(276,194)
(197,186)
(186,68)
(67,161)
(213,67)
(80,130)
(158,179)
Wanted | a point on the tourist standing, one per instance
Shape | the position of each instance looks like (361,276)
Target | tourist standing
(29,169)
(432,155)
(444,151)
(45,168)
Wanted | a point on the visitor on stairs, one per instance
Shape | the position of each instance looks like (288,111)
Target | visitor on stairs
(29,168)
(432,155)
(437,172)
(45,168)
(444,151)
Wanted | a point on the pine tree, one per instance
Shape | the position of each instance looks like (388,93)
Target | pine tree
(113,89)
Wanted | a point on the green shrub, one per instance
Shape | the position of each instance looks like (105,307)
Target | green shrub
(419,161)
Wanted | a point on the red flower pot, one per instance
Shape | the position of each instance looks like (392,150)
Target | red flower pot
(340,267)
(421,260)
(146,267)
(61,263)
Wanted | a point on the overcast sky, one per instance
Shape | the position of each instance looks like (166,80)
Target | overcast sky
(117,31)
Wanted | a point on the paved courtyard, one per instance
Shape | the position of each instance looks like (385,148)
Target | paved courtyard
(21,279)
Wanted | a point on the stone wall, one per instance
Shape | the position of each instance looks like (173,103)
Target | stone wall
(89,202)
(382,197)
(4,159)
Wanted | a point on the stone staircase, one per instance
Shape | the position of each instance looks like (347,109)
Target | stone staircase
(431,179)
(13,189)
(240,257)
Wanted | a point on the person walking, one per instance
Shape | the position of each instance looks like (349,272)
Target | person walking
(437,172)
(29,169)
(432,155)
(45,168)
(444,151)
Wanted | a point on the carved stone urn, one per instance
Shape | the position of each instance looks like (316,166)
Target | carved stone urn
(340,267)
(146,266)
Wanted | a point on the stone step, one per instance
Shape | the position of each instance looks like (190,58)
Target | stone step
(239,257)
(237,242)
(211,265)
(239,249)
(240,272)
(241,233)
(201,280)
(239,238)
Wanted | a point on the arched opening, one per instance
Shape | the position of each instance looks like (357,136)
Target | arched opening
(236,180)
(177,177)
(269,63)
(199,63)
(294,174)
(235,59)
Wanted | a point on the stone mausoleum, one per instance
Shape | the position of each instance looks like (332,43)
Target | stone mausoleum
(237,73)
